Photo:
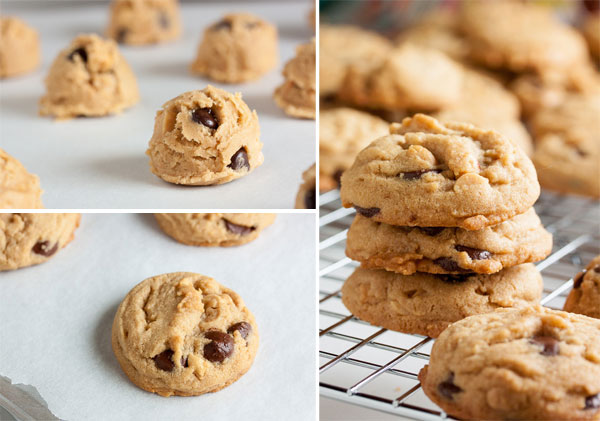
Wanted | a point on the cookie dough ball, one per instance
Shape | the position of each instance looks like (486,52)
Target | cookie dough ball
(18,188)
(139,22)
(238,48)
(89,78)
(307,194)
(297,94)
(205,137)
(214,229)
(584,298)
(19,47)
(183,334)
(31,238)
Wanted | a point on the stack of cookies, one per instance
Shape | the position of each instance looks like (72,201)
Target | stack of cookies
(444,229)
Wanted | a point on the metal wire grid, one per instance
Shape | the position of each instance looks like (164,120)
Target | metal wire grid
(376,368)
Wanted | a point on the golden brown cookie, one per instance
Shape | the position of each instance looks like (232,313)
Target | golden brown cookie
(584,298)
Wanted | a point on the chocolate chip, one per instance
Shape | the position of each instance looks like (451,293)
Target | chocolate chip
(447,388)
(224,24)
(367,212)
(597,269)
(414,175)
(121,34)
(205,117)
(310,198)
(220,347)
(592,401)
(432,231)
(43,248)
(548,343)
(79,52)
(448,264)
(452,279)
(337,176)
(475,254)
(184,361)
(578,279)
(163,20)
(591,5)
(163,360)
(239,160)
(238,229)
(243,327)
(251,25)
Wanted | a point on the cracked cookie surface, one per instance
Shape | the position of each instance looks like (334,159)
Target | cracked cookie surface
(426,304)
(19,189)
(183,334)
(584,298)
(531,363)
(431,174)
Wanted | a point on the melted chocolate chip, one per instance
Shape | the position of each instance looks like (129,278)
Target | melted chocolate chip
(239,160)
(432,231)
(163,20)
(578,279)
(592,401)
(414,175)
(453,279)
(220,347)
(79,52)
(224,24)
(243,327)
(184,361)
(367,212)
(238,229)
(548,343)
(447,388)
(310,198)
(475,254)
(337,176)
(591,5)
(163,360)
(205,117)
(43,248)
(597,269)
(448,264)
(121,35)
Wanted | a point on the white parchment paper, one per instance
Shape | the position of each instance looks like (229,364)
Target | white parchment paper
(56,320)
(98,163)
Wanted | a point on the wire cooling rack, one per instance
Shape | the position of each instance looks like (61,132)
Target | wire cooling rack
(377,368)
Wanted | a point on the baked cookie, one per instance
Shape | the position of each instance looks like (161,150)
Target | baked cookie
(520,37)
(342,45)
(307,194)
(205,137)
(19,47)
(426,304)
(343,133)
(584,298)
(32,238)
(214,229)
(297,95)
(407,250)
(238,48)
(429,174)
(409,76)
(567,149)
(521,364)
(591,31)
(141,22)
(183,334)
(89,78)
(19,189)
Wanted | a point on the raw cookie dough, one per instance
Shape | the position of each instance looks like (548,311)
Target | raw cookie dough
(406,250)
(183,334)
(297,94)
(307,194)
(343,133)
(430,174)
(214,229)
(89,78)
(238,48)
(18,188)
(19,47)
(205,137)
(517,364)
(426,304)
(140,22)
(31,238)
(584,298)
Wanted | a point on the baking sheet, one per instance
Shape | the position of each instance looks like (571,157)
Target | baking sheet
(98,163)
(56,320)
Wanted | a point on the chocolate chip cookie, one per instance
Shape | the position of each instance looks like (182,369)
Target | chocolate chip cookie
(584,298)
(19,49)
(238,48)
(406,250)
(32,238)
(205,137)
(528,364)
(89,78)
(430,174)
(214,229)
(306,198)
(19,189)
(183,334)
(426,304)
